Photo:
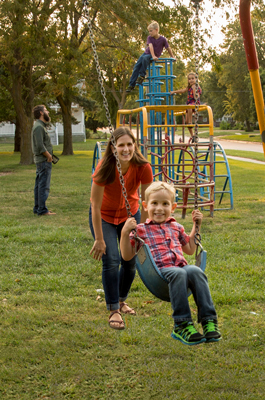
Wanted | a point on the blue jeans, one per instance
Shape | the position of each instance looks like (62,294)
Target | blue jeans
(42,187)
(140,68)
(116,280)
(192,277)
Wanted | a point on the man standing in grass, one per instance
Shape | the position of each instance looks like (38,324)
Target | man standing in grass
(42,150)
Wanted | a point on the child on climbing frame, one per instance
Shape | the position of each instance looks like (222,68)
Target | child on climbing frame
(191,89)
(167,241)
(155,45)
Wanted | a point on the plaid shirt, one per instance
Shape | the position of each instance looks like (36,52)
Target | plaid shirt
(165,241)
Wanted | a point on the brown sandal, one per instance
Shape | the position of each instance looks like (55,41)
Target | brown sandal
(131,311)
(113,321)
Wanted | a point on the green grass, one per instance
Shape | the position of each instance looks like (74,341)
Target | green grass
(54,337)
(246,154)
(79,146)
(245,137)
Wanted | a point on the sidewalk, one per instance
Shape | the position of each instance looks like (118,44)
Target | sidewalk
(237,145)
(245,146)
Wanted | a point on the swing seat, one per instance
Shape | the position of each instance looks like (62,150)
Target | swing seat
(151,275)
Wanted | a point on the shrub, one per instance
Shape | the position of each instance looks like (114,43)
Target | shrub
(239,126)
(224,125)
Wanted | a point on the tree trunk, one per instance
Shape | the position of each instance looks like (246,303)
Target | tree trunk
(65,104)
(25,121)
(26,157)
(248,128)
(17,144)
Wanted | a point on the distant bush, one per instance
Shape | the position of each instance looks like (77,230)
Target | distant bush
(224,125)
(239,126)
(95,135)
(89,133)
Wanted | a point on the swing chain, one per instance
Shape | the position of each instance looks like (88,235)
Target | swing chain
(197,22)
(100,79)
(105,102)
(197,238)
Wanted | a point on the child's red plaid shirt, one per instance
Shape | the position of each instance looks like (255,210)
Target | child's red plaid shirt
(165,241)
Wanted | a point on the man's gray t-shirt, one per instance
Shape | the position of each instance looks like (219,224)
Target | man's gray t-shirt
(41,141)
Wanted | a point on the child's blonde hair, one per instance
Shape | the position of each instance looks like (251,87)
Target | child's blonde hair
(159,185)
(153,25)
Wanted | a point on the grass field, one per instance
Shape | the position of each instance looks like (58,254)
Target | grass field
(232,135)
(54,337)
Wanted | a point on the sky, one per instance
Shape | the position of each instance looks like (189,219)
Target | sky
(218,20)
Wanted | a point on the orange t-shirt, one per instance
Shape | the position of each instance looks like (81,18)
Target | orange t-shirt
(113,209)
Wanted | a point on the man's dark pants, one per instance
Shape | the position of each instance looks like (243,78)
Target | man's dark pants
(42,187)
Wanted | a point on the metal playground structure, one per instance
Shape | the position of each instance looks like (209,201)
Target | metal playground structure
(200,170)
(162,140)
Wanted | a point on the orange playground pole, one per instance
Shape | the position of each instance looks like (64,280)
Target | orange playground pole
(253,64)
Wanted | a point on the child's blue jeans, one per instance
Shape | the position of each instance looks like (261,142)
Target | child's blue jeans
(140,68)
(182,279)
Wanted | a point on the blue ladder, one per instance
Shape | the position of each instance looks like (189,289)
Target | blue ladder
(224,179)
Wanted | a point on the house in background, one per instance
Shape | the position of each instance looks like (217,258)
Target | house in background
(7,130)
(225,118)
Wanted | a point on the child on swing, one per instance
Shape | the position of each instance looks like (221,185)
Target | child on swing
(167,241)
(191,89)
(155,45)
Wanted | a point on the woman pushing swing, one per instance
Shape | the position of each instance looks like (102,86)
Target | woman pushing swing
(108,214)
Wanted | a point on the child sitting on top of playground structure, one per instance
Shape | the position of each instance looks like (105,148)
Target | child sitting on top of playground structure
(191,89)
(167,241)
(155,45)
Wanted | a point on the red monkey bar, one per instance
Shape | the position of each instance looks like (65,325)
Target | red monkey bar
(253,64)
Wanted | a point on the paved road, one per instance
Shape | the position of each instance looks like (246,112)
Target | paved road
(246,146)
(237,145)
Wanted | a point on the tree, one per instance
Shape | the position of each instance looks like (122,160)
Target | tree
(23,51)
(230,74)
(213,92)
(7,112)
(66,69)
(235,76)
(44,51)
(93,122)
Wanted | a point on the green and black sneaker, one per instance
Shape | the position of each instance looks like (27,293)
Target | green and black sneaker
(211,331)
(186,333)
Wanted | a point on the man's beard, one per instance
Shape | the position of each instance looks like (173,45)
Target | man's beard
(46,117)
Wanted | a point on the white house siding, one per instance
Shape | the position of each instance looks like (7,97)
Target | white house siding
(7,130)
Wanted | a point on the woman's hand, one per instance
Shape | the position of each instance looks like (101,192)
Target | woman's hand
(98,249)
